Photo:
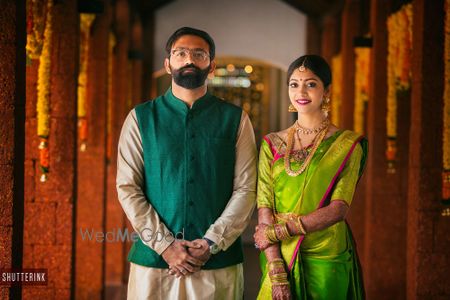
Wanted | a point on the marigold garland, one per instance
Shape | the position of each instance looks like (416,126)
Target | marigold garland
(399,27)
(446,112)
(85,28)
(362,69)
(336,89)
(43,94)
(36,14)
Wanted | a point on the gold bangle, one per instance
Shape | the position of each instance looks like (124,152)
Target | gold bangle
(285,230)
(269,232)
(282,232)
(279,279)
(299,225)
(276,269)
(280,283)
(275,264)
(279,275)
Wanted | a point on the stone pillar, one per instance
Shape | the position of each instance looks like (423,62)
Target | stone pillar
(137,62)
(349,30)
(331,37)
(338,35)
(49,207)
(115,218)
(31,179)
(313,35)
(148,29)
(428,241)
(91,169)
(385,205)
(12,135)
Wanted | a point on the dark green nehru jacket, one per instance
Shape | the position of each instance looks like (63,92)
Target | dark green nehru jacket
(189,157)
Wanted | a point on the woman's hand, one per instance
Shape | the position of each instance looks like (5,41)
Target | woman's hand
(261,240)
(281,292)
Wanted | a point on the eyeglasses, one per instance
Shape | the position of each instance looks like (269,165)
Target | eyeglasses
(181,54)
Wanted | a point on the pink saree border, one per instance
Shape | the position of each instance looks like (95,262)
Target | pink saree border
(275,154)
(330,186)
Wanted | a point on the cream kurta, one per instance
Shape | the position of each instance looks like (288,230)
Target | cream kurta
(146,283)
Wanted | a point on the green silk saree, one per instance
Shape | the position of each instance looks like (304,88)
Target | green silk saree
(321,264)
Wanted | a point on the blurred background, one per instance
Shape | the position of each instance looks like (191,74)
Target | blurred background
(72,70)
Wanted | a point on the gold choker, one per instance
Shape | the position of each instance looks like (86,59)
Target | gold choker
(303,130)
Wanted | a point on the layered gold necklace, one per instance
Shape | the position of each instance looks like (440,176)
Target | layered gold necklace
(303,154)
(324,124)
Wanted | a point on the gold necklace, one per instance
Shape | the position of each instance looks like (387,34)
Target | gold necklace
(290,142)
(316,130)
(302,153)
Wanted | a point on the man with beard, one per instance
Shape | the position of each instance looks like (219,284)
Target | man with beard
(186,179)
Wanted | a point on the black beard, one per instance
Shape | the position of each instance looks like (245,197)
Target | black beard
(192,80)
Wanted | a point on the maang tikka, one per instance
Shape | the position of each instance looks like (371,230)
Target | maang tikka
(302,68)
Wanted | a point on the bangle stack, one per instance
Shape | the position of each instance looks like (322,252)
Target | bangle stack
(282,231)
(279,279)
(277,232)
(276,265)
(270,234)
(277,273)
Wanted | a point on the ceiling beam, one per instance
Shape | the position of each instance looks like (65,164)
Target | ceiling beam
(317,8)
(312,8)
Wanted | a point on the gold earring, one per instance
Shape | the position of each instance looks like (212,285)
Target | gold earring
(292,108)
(326,106)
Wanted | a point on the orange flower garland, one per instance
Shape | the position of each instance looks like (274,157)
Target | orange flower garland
(446,116)
(362,69)
(85,28)
(43,95)
(336,89)
(36,13)
(399,27)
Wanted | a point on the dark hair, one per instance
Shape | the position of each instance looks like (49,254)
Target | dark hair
(316,64)
(191,31)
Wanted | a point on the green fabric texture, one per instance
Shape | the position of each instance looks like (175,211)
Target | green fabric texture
(189,157)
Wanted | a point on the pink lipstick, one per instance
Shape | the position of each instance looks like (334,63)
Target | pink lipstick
(303,101)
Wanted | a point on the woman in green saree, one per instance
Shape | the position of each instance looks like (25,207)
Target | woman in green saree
(307,178)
